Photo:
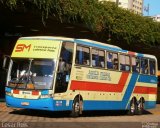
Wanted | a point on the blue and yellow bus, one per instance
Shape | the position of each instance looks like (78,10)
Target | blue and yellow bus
(66,74)
(158,90)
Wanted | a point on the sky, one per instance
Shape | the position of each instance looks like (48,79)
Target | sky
(154,7)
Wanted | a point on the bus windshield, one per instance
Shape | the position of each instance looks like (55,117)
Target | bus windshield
(31,73)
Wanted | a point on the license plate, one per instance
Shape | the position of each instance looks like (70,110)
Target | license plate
(25,103)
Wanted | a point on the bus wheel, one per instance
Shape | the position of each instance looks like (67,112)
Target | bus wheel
(140,107)
(133,108)
(76,107)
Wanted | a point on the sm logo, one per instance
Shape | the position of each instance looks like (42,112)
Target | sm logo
(21,47)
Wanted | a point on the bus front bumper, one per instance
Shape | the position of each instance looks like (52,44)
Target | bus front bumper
(41,104)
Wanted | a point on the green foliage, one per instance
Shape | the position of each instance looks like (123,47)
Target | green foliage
(105,18)
(11,3)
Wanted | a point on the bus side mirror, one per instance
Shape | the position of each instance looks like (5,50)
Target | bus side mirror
(6,61)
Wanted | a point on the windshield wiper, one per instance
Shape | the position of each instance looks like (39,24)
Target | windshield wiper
(25,78)
(29,75)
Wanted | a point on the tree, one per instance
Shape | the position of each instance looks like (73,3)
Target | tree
(102,18)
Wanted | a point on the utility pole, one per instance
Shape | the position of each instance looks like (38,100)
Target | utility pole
(148,9)
(117,2)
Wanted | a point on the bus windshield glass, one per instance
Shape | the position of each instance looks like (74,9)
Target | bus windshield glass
(31,73)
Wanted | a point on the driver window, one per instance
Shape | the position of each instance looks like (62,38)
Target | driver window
(66,56)
(64,67)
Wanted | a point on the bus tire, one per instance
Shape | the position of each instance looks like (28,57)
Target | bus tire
(141,106)
(133,107)
(76,108)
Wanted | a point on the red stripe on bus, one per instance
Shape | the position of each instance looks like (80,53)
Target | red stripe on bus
(131,53)
(15,91)
(95,86)
(35,92)
(145,90)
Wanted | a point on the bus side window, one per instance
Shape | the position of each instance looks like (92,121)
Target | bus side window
(144,66)
(82,55)
(67,54)
(109,60)
(97,58)
(127,58)
(158,81)
(112,61)
(122,62)
(133,61)
(152,67)
(66,51)
(115,61)
(135,64)
(101,58)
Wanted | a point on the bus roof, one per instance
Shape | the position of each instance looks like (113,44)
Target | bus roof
(111,47)
(47,38)
(89,43)
(150,56)
(98,44)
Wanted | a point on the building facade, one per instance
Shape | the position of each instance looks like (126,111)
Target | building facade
(156,18)
(135,6)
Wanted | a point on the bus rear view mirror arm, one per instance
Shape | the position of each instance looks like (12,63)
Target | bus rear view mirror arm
(6,61)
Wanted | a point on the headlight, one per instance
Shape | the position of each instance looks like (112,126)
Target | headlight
(9,93)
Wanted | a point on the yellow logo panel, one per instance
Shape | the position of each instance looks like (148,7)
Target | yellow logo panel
(36,49)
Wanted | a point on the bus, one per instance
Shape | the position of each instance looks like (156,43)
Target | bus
(76,75)
(158,91)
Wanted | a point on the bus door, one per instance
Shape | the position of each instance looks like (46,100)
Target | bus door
(64,67)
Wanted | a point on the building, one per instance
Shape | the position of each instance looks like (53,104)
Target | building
(136,6)
(156,18)
(123,3)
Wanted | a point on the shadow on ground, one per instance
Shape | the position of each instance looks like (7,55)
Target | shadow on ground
(50,114)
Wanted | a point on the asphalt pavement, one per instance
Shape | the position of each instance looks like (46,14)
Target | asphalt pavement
(22,118)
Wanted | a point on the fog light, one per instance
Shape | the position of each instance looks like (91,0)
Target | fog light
(9,93)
